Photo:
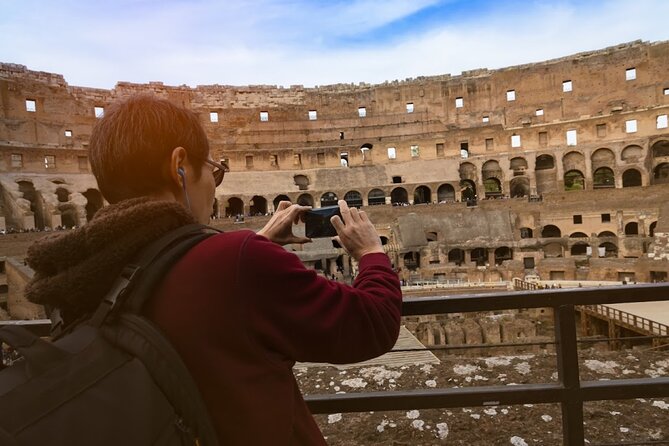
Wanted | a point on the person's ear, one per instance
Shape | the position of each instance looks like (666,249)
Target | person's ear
(176,169)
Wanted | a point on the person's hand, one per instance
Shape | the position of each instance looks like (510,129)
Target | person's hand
(279,228)
(356,233)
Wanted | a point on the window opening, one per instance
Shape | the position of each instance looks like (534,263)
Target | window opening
(630,74)
(99,112)
(31,105)
(486,119)
(578,219)
(392,153)
(543,138)
(274,160)
(17,160)
(571,137)
(414,151)
(661,122)
(511,95)
(68,133)
(459,102)
(601,130)
(320,157)
(49,162)
(464,150)
(362,112)
(566,86)
(249,161)
(606,218)
(630,126)
(213,116)
(313,115)
(440,149)
(409,107)
(489,144)
(341,135)
(343,158)
(539,112)
(397,179)
(515,140)
(264,116)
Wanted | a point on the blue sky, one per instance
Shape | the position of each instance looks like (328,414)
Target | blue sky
(319,42)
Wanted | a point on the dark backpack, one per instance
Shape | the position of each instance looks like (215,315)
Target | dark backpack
(113,379)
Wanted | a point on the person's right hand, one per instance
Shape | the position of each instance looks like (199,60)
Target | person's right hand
(356,233)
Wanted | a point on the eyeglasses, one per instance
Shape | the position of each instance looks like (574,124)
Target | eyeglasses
(219,171)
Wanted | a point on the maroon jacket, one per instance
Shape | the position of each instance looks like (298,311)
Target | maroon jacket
(241,310)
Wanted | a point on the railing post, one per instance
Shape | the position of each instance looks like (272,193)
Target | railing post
(568,375)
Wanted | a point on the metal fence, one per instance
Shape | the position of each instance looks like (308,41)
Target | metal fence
(569,391)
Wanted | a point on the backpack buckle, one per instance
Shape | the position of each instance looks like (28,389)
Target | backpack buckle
(120,288)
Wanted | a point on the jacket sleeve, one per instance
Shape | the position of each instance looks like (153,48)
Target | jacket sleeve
(302,316)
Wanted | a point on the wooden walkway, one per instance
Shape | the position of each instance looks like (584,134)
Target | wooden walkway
(391,359)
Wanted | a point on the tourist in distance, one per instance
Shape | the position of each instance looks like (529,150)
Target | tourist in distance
(238,307)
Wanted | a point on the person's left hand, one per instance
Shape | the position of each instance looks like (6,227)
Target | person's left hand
(279,228)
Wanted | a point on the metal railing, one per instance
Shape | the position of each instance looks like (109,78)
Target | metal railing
(569,391)
(628,320)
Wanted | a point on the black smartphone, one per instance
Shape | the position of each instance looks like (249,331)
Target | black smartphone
(317,222)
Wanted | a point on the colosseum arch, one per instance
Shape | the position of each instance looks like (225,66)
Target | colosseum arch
(412,260)
(579,249)
(467,190)
(27,188)
(550,231)
(491,169)
(518,165)
(468,172)
(660,149)
(422,195)
(603,178)
(399,196)
(301,181)
(605,234)
(545,173)
(553,250)
(661,174)
(573,161)
(503,253)
(631,154)
(365,149)
(329,199)
(445,193)
(479,256)
(578,235)
(68,215)
(574,180)
(353,198)
(631,178)
(632,228)
(94,202)
(63,195)
(520,187)
(493,187)
(305,200)
(651,229)
(376,197)
(235,207)
(603,158)
(258,205)
(610,249)
(278,199)
(456,256)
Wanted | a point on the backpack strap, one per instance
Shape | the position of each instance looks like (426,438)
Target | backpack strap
(150,265)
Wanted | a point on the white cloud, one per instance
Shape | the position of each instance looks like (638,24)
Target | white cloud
(288,42)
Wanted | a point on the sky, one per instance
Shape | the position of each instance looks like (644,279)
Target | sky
(96,43)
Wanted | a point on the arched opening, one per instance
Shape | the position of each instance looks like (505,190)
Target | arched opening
(68,216)
(574,180)
(520,187)
(606,234)
(610,249)
(63,195)
(631,178)
(661,174)
(278,199)
(215,211)
(493,188)
(384,240)
(305,200)
(660,149)
(93,203)
(353,198)
(578,235)
(445,193)
(479,256)
(553,250)
(258,205)
(365,150)
(491,169)
(579,249)
(467,190)
(329,199)
(301,181)
(29,193)
(651,229)
(422,195)
(456,256)
(544,162)
(376,197)
(631,154)
(526,233)
(632,228)
(235,207)
(603,178)
(412,260)
(399,196)
(468,172)
(603,158)
(518,165)
(549,231)
(503,253)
